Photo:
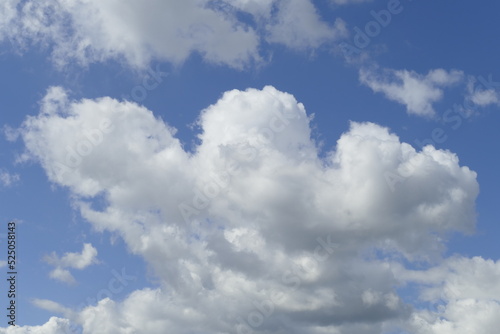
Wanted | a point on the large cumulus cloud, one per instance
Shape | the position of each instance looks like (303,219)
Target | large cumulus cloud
(252,231)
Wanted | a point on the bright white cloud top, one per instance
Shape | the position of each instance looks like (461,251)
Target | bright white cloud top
(252,231)
(262,219)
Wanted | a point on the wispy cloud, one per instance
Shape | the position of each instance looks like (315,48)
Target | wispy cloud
(8,179)
(71,260)
(482,96)
(415,91)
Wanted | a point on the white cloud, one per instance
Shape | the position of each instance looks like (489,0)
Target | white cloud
(417,92)
(459,278)
(141,32)
(93,31)
(53,326)
(7,14)
(467,291)
(298,25)
(7,179)
(62,275)
(10,133)
(294,23)
(50,306)
(252,225)
(79,260)
(481,96)
(486,97)
(71,260)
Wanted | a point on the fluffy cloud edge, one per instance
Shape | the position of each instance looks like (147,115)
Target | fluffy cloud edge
(79,261)
(268,169)
(84,32)
(415,91)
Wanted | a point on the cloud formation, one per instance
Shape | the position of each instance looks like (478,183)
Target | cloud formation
(482,96)
(71,260)
(8,179)
(140,32)
(253,232)
(415,91)
(466,293)
(53,326)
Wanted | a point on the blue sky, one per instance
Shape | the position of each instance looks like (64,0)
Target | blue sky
(150,229)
